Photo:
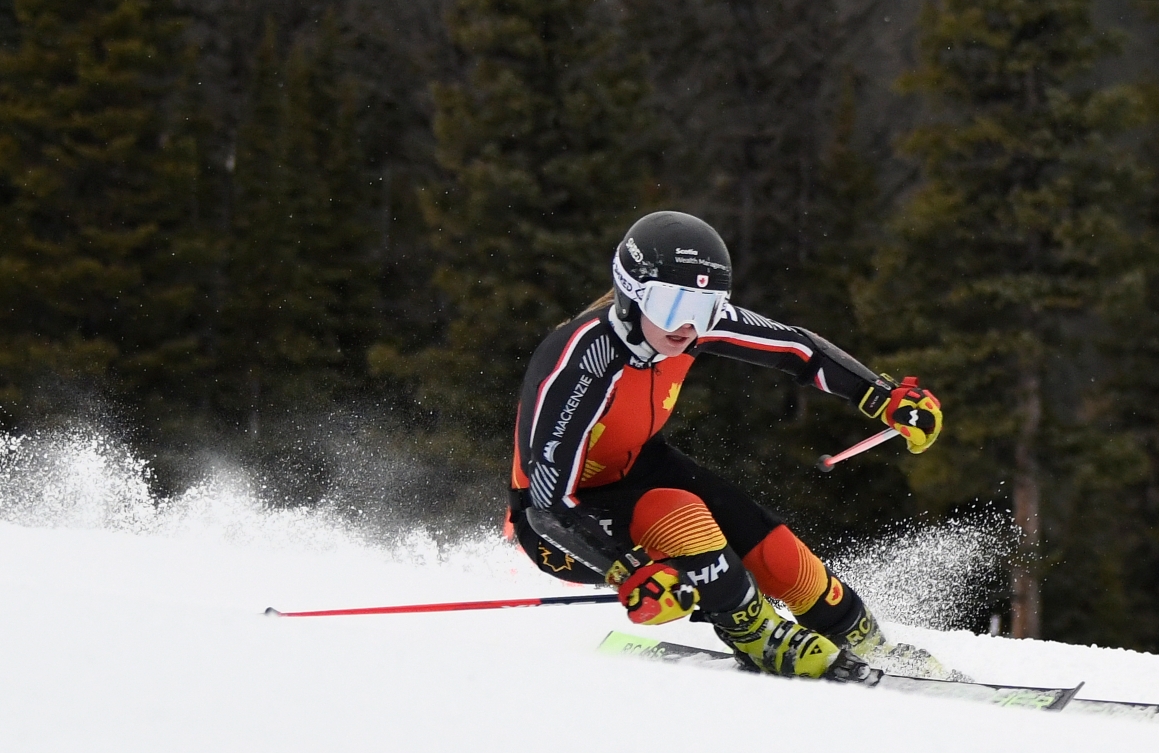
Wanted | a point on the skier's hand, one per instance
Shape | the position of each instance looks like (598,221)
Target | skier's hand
(652,592)
(915,413)
(912,411)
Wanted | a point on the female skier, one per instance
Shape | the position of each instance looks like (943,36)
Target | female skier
(598,495)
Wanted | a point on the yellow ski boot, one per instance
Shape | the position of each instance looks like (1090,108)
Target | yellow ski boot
(868,642)
(763,641)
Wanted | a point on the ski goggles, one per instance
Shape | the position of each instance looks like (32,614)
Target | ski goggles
(670,306)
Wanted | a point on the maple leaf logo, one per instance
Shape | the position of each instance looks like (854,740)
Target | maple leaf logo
(546,553)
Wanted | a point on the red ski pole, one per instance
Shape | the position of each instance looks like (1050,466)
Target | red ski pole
(826,462)
(456,606)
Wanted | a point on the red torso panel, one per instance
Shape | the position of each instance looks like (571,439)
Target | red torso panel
(639,408)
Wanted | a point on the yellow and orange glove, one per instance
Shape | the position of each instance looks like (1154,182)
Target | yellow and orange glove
(911,410)
(652,592)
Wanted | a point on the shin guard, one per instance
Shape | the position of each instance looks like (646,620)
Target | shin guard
(786,569)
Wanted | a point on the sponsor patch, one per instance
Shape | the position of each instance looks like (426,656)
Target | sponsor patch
(634,250)
(701,262)
(572,403)
(836,593)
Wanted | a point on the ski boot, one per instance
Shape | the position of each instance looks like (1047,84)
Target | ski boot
(763,641)
(866,641)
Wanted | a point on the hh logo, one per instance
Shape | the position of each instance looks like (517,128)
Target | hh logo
(709,573)
(836,592)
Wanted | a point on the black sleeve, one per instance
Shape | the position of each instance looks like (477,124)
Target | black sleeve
(811,359)
(563,409)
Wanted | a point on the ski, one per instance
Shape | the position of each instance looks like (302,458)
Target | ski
(1048,699)
(1118,709)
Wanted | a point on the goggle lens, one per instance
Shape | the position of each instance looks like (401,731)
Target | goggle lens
(670,307)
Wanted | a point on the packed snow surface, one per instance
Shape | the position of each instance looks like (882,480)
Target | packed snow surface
(131,624)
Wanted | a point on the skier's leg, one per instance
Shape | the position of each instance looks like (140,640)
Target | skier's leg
(675,525)
(781,564)
(788,570)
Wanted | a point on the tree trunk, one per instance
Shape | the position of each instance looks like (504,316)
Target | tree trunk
(1026,601)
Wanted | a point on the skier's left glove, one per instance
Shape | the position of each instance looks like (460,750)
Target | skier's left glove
(911,410)
(653,592)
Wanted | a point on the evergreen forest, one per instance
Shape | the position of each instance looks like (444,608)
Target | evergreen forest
(322,239)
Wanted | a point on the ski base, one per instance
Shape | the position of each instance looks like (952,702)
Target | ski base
(1047,699)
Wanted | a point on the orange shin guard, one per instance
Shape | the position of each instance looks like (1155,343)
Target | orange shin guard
(674,523)
(786,569)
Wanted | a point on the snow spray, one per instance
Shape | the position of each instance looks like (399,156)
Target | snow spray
(938,576)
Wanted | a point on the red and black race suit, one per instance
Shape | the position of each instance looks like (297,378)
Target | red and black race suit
(589,404)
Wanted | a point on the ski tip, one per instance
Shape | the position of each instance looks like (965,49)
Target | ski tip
(823,466)
(271,612)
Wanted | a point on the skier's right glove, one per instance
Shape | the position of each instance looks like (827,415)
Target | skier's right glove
(653,592)
(911,410)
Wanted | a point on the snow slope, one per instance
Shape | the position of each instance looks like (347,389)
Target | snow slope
(127,626)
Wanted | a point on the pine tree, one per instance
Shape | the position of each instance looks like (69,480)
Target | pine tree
(297,305)
(93,178)
(331,207)
(1126,517)
(539,143)
(1022,214)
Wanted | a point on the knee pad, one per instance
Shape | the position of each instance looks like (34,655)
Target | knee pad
(786,569)
(674,523)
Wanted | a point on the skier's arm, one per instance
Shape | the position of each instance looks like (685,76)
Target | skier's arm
(811,359)
(569,401)
(557,418)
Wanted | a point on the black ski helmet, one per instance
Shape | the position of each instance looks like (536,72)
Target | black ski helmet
(669,247)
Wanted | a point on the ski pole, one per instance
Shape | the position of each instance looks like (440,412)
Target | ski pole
(455,606)
(826,462)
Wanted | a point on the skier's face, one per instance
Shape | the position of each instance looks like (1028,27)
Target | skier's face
(667,343)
